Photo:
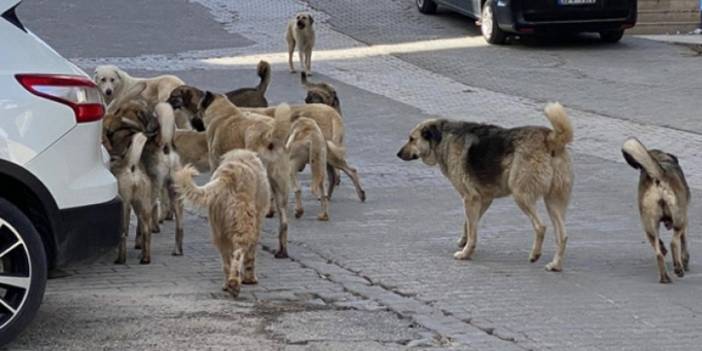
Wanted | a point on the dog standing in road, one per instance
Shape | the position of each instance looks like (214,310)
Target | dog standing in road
(485,162)
(237,199)
(663,198)
(300,34)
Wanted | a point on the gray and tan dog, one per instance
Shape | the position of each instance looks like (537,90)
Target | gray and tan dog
(237,199)
(300,34)
(663,198)
(320,93)
(485,162)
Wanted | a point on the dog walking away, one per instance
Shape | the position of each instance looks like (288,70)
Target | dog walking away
(663,198)
(300,34)
(484,162)
(114,83)
(237,199)
(306,145)
(320,93)
(253,97)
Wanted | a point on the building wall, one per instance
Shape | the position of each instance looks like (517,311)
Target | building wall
(667,16)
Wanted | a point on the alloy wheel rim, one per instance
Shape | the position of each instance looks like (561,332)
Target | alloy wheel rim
(15,273)
(486,21)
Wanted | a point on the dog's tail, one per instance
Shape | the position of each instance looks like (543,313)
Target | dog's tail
(283,121)
(637,156)
(135,150)
(562,133)
(166,120)
(197,195)
(264,72)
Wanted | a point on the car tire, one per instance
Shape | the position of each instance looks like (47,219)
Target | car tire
(23,271)
(488,25)
(426,6)
(612,36)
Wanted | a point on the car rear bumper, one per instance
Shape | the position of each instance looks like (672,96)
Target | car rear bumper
(88,231)
(512,18)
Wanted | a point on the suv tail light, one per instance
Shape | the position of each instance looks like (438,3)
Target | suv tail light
(77,92)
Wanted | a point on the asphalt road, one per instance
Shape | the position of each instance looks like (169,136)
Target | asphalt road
(380,274)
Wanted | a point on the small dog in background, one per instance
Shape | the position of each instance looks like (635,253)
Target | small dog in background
(300,34)
(320,93)
(237,199)
(663,198)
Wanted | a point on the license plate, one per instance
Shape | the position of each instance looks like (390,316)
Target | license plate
(577,2)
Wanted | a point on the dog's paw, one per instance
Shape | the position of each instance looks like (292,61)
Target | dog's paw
(249,281)
(121,260)
(233,288)
(156,229)
(270,214)
(534,257)
(145,260)
(460,255)
(665,279)
(324,217)
(679,271)
(554,267)
(362,195)
(299,212)
(281,253)
(177,252)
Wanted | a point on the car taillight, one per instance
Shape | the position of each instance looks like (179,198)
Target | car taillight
(78,92)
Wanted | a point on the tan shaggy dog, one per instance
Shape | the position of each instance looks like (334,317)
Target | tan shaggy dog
(229,128)
(663,198)
(485,162)
(300,34)
(332,126)
(237,199)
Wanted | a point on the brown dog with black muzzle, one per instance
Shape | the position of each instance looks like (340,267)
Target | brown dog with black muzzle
(485,162)
(320,93)
(663,198)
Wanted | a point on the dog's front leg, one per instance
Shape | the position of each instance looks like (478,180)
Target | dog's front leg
(474,208)
(463,238)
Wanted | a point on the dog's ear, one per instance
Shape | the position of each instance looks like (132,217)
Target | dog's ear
(311,19)
(207,100)
(197,124)
(432,133)
(675,158)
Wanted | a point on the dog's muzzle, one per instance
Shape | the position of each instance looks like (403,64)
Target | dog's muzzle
(175,102)
(301,24)
(406,156)
(108,92)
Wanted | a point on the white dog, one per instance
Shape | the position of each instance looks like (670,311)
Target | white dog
(300,33)
(114,82)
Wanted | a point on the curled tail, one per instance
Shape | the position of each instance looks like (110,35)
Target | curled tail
(166,120)
(135,150)
(264,72)
(637,156)
(562,133)
(198,195)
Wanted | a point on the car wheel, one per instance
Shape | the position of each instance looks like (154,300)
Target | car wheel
(23,271)
(426,6)
(488,25)
(612,36)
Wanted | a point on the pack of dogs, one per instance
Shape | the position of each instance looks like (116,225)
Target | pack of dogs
(161,132)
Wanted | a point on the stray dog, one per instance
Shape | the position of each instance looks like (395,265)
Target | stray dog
(114,83)
(228,128)
(663,198)
(320,93)
(306,144)
(135,190)
(186,98)
(237,198)
(124,118)
(484,162)
(191,145)
(300,33)
(332,126)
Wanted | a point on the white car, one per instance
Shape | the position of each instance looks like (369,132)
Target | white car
(58,199)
